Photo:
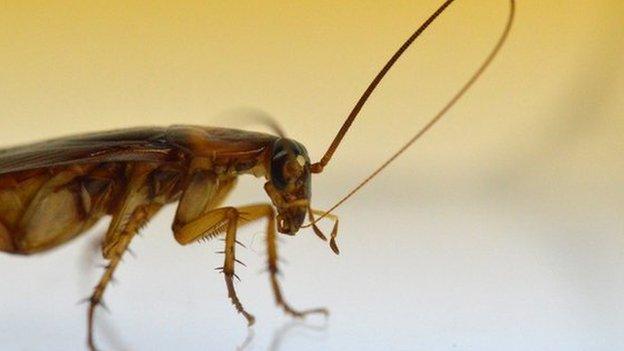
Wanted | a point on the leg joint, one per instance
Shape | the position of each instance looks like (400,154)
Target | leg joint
(231,213)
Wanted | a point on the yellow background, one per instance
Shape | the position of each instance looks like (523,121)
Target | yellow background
(503,225)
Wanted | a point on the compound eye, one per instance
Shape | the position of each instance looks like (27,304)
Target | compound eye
(277,170)
(288,164)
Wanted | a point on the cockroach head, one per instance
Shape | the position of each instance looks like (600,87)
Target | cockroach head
(289,183)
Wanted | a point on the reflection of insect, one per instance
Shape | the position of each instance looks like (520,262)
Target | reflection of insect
(51,192)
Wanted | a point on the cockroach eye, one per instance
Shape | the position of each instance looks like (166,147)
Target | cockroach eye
(288,162)
(277,170)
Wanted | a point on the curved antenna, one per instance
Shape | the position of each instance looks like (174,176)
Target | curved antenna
(318,166)
(475,76)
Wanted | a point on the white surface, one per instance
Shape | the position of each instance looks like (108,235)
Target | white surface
(484,274)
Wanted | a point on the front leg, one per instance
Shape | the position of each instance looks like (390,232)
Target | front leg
(213,223)
(228,219)
(274,270)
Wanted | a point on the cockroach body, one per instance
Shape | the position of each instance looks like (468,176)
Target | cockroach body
(51,192)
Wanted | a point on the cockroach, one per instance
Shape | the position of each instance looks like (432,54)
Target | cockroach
(50,192)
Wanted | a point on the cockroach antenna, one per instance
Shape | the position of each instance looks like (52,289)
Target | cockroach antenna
(320,165)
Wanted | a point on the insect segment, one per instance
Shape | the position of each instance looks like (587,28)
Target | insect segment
(53,191)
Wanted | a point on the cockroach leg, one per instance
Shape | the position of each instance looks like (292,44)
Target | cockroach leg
(231,215)
(244,215)
(98,292)
(136,208)
(214,223)
(274,271)
(210,225)
(139,216)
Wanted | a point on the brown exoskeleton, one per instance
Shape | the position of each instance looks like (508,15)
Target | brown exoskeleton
(51,192)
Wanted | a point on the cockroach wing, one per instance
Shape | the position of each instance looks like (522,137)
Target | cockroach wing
(41,210)
(152,144)
(134,144)
(220,142)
